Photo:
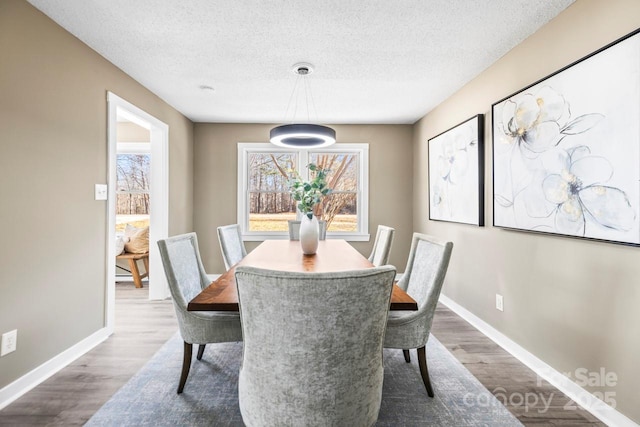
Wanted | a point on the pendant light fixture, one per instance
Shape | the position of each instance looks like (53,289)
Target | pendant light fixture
(302,135)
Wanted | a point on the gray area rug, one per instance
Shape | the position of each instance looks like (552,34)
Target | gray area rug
(211,394)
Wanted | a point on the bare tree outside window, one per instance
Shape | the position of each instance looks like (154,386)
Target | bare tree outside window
(271,205)
(340,208)
(132,192)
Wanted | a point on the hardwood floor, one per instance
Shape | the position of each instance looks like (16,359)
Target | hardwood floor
(72,395)
(504,376)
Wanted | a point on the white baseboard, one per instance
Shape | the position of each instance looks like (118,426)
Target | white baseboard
(582,397)
(22,385)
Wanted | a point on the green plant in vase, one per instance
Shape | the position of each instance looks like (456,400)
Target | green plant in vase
(308,194)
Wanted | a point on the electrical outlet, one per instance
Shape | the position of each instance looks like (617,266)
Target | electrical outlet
(9,342)
(499,302)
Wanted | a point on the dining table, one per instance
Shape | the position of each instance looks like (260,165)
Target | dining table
(333,255)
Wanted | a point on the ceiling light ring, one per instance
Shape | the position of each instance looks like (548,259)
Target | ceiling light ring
(302,135)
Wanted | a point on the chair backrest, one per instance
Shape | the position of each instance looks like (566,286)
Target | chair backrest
(382,246)
(425,272)
(183,267)
(231,244)
(312,345)
(322,229)
(294,230)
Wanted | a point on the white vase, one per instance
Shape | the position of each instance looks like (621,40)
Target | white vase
(309,234)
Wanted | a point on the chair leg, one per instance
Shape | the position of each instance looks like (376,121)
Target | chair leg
(422,362)
(200,351)
(407,357)
(135,273)
(186,365)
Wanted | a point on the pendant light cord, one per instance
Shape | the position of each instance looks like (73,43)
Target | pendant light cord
(305,87)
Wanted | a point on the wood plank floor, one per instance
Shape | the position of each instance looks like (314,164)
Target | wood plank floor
(72,395)
(508,379)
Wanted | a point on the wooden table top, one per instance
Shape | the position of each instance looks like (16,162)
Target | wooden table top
(286,255)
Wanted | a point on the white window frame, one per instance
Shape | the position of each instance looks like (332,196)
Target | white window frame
(133,148)
(246,148)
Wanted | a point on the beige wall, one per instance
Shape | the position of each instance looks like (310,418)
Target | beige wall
(53,149)
(215,178)
(572,303)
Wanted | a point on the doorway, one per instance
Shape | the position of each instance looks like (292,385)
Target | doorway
(121,111)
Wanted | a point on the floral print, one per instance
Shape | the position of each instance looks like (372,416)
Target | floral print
(455,169)
(579,192)
(535,121)
(552,178)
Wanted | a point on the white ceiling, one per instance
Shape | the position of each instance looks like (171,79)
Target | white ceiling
(376,61)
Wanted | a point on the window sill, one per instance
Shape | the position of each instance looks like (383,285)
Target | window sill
(260,237)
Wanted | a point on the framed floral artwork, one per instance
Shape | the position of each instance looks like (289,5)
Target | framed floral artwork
(566,150)
(456,173)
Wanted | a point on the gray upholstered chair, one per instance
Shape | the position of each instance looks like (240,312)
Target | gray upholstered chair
(294,230)
(382,246)
(312,346)
(186,277)
(231,244)
(422,279)
(322,229)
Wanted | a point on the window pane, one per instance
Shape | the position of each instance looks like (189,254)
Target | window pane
(270,172)
(133,172)
(341,211)
(132,204)
(343,169)
(340,208)
(132,192)
(270,204)
(270,222)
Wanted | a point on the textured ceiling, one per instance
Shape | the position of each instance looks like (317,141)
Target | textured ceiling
(375,61)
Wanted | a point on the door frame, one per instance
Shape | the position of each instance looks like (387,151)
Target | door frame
(158,193)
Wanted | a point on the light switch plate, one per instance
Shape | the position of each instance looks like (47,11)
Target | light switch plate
(9,342)
(101,192)
(499,302)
